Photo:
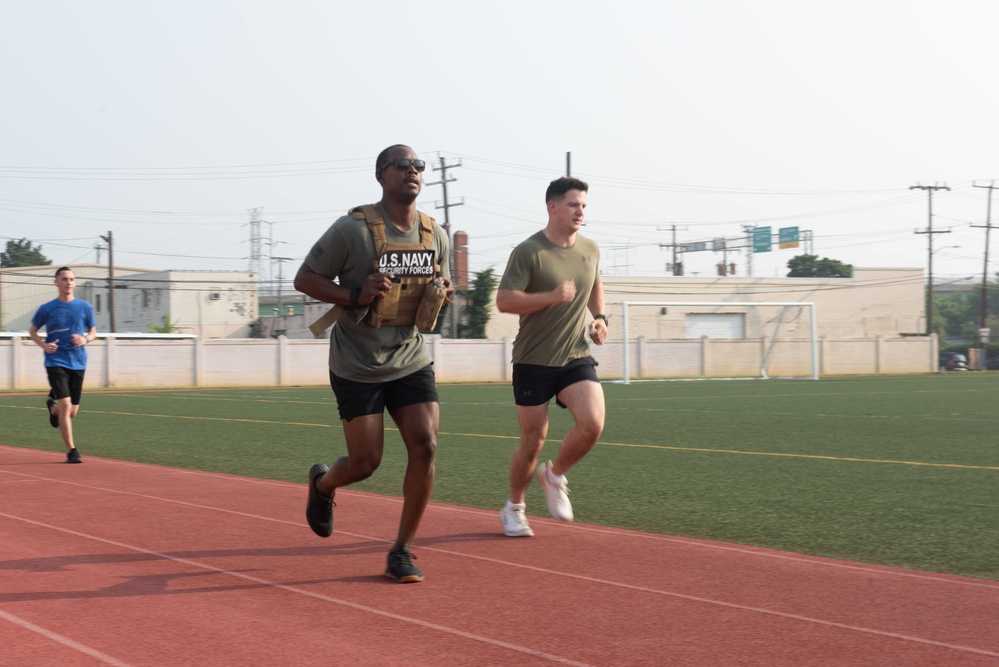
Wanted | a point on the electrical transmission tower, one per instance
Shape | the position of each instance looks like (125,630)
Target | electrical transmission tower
(256,244)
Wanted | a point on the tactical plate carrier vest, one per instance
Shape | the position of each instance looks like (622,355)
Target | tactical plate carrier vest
(416,296)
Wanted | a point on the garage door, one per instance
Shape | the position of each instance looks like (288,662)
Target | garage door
(715,325)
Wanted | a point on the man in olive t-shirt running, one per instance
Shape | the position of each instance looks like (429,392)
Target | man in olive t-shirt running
(551,280)
(377,368)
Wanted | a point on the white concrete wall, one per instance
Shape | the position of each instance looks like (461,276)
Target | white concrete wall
(283,361)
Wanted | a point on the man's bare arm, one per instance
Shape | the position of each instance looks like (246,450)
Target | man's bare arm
(523,303)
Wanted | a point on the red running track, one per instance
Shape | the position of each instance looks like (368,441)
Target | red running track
(116,563)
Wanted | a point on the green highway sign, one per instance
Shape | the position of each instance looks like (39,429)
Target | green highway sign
(761,239)
(787,237)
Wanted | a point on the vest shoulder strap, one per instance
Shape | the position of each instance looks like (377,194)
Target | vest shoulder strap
(426,230)
(370,214)
(376,225)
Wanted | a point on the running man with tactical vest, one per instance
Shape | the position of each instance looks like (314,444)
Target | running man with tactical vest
(551,280)
(390,264)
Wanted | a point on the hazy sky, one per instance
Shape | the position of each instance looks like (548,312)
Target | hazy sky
(165,122)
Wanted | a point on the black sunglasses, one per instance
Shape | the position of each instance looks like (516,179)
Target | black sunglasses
(403,163)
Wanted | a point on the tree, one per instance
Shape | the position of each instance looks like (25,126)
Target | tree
(166,327)
(479,306)
(810,266)
(957,315)
(954,315)
(22,253)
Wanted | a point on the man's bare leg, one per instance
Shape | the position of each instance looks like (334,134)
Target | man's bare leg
(533,431)
(585,400)
(418,425)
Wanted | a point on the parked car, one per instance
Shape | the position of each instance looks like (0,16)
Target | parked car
(952,361)
(992,364)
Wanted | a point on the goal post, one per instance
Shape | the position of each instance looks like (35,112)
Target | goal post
(670,340)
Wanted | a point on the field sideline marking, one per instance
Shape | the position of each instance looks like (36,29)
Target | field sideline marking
(947,417)
(213,419)
(745,453)
(802,456)
(857,394)
(188,397)
(818,457)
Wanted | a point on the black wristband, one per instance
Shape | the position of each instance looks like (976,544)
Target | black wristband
(355,294)
(603,317)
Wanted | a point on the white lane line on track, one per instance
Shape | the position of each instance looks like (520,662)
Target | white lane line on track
(594,580)
(60,639)
(299,591)
(701,544)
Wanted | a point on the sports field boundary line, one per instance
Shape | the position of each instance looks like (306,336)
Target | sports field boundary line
(493,436)
(845,459)
(764,552)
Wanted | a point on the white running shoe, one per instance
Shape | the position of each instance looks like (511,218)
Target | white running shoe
(515,522)
(556,495)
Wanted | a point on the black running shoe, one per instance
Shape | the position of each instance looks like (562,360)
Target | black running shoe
(400,567)
(53,419)
(73,456)
(319,510)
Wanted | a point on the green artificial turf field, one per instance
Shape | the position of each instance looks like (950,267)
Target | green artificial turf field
(900,470)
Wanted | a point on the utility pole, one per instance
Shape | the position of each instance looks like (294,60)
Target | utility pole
(749,245)
(280,279)
(726,268)
(568,164)
(677,270)
(808,240)
(109,240)
(677,266)
(453,256)
(930,189)
(983,301)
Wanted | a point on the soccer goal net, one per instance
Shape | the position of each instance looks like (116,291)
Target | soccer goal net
(670,340)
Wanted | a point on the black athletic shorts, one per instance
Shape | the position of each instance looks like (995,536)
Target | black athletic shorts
(535,385)
(65,382)
(356,399)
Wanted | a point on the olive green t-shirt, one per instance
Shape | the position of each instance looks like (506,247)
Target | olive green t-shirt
(555,335)
(358,351)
